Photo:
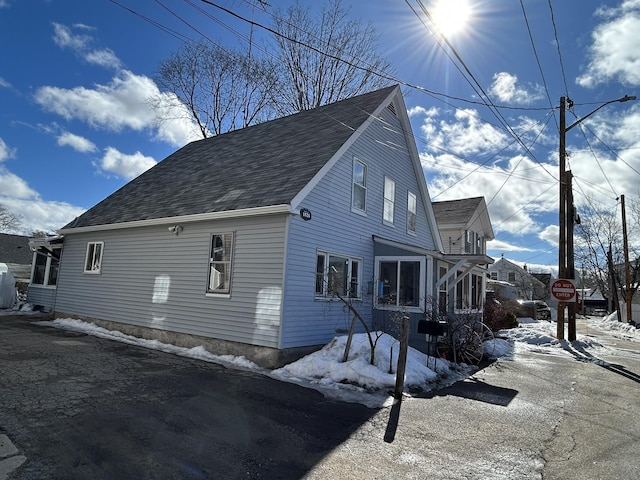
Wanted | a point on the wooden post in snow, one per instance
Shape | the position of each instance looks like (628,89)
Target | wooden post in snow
(402,357)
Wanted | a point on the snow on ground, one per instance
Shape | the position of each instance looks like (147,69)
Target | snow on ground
(356,380)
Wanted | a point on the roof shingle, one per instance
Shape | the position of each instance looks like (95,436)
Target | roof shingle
(258,166)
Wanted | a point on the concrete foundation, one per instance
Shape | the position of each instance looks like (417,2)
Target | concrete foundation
(266,357)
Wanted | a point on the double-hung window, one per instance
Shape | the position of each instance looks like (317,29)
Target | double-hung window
(220,263)
(412,211)
(93,257)
(338,274)
(359,193)
(400,281)
(389,200)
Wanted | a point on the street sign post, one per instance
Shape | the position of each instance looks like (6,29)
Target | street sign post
(564,290)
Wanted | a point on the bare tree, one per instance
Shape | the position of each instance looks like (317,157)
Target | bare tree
(9,221)
(222,89)
(316,61)
(599,230)
(325,59)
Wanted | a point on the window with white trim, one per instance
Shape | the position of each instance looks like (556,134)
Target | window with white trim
(93,257)
(338,274)
(45,270)
(389,199)
(412,212)
(400,281)
(220,258)
(443,295)
(359,193)
(469,241)
(480,244)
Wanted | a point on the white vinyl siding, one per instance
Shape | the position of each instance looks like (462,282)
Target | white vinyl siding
(157,279)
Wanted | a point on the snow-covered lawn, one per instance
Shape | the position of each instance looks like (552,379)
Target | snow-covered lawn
(356,380)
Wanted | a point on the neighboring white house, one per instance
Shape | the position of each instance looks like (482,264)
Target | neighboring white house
(465,228)
(527,286)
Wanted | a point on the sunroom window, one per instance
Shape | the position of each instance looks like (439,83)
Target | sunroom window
(400,282)
(45,270)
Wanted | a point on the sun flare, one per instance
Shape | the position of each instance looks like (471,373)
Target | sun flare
(451,16)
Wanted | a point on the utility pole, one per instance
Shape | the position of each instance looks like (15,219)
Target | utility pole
(571,271)
(562,240)
(627,269)
(566,267)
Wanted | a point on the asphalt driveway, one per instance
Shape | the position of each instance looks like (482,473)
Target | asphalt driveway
(78,406)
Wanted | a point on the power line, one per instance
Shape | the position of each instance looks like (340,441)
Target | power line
(535,53)
(555,32)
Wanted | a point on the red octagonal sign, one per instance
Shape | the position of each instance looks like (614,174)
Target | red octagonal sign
(564,290)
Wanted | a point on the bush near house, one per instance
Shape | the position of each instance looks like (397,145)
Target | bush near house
(499,314)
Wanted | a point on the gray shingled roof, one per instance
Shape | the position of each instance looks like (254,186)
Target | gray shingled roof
(15,249)
(455,211)
(258,166)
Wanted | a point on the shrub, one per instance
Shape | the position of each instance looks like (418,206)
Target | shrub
(497,316)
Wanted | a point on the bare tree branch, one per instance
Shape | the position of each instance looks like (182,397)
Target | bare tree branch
(9,221)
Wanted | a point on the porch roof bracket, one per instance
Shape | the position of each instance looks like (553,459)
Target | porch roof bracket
(450,272)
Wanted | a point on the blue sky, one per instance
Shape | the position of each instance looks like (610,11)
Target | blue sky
(76,122)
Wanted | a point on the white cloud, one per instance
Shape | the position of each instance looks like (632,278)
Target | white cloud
(65,37)
(76,142)
(5,151)
(418,110)
(465,134)
(103,58)
(506,89)
(4,83)
(501,246)
(37,214)
(13,186)
(123,165)
(550,234)
(615,51)
(129,101)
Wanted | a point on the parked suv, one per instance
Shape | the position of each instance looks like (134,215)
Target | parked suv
(535,309)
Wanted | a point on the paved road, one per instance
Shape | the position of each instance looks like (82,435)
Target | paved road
(76,406)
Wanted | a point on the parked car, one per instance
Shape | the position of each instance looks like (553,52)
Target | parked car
(535,309)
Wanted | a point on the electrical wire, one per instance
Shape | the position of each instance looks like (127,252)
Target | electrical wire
(555,33)
(535,53)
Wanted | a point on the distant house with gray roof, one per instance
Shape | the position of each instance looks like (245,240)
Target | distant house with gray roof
(240,242)
(16,255)
(527,285)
